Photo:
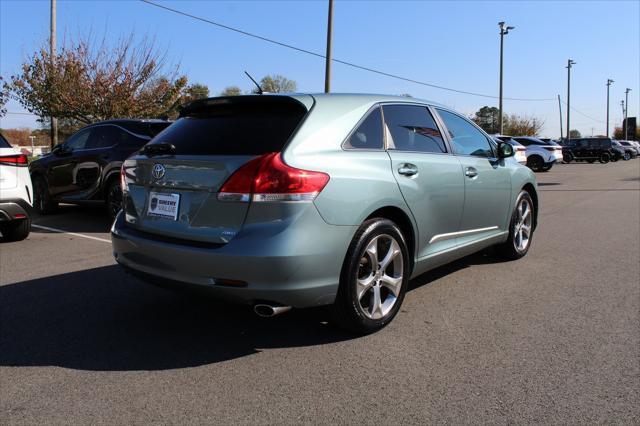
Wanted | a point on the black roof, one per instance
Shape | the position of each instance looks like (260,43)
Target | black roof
(141,126)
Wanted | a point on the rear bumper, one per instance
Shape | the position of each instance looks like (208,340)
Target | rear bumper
(296,264)
(14,209)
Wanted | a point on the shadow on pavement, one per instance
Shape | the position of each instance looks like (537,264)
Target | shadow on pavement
(71,218)
(105,320)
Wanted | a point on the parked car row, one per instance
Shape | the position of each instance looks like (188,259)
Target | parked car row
(540,155)
(603,150)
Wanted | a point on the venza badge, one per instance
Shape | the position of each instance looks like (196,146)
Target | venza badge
(158,171)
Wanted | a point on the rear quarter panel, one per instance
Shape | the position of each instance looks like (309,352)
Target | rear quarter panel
(361,181)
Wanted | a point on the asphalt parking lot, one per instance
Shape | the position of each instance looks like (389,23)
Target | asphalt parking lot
(553,338)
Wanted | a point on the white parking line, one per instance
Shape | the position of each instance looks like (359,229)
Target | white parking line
(62,231)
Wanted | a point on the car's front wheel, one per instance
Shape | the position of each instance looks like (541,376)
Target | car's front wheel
(605,157)
(374,277)
(627,156)
(520,228)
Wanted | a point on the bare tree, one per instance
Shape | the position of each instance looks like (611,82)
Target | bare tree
(517,125)
(231,91)
(277,84)
(89,82)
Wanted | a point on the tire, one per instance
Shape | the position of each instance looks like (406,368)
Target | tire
(567,157)
(591,161)
(516,246)
(627,156)
(379,298)
(605,157)
(113,198)
(42,201)
(535,163)
(547,168)
(16,230)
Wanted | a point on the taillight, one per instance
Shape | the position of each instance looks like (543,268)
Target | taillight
(267,178)
(15,160)
(123,180)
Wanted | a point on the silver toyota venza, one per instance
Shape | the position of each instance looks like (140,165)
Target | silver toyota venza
(302,200)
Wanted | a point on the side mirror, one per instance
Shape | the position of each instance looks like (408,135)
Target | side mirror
(60,149)
(505,150)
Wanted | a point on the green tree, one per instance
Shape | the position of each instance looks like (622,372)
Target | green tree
(573,134)
(231,91)
(277,84)
(487,118)
(87,82)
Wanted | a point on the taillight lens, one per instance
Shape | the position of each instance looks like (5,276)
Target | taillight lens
(267,179)
(123,180)
(15,160)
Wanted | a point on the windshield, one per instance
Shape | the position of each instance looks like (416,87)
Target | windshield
(3,142)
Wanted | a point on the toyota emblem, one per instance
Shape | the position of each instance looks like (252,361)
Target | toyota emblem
(158,171)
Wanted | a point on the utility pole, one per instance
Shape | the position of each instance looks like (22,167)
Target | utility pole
(569,64)
(609,81)
(626,111)
(503,31)
(327,71)
(560,109)
(52,52)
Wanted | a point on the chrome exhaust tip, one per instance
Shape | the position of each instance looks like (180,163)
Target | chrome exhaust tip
(265,311)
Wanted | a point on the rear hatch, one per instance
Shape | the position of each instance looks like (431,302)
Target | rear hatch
(172,185)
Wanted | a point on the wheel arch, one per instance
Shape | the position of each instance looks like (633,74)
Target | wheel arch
(402,219)
(109,177)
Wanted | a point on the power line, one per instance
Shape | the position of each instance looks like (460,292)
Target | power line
(585,115)
(21,113)
(350,64)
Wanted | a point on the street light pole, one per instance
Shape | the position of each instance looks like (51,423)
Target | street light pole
(560,110)
(569,64)
(609,81)
(503,31)
(626,113)
(327,72)
(52,52)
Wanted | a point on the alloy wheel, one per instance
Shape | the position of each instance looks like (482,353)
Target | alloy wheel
(522,227)
(380,277)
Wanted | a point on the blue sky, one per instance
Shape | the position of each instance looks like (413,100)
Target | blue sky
(449,43)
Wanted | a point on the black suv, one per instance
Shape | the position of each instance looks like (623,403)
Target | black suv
(591,149)
(86,167)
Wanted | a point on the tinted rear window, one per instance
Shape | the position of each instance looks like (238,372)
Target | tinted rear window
(4,143)
(247,127)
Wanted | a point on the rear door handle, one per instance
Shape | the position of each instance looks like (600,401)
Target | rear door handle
(408,169)
(470,172)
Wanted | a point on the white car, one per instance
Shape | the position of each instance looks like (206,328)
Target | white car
(15,193)
(541,155)
(632,144)
(520,150)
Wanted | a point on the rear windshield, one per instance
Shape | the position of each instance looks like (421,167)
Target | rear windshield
(3,142)
(150,129)
(239,127)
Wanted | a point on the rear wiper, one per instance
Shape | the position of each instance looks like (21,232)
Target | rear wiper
(163,148)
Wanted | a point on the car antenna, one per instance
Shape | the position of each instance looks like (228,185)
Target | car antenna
(254,82)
